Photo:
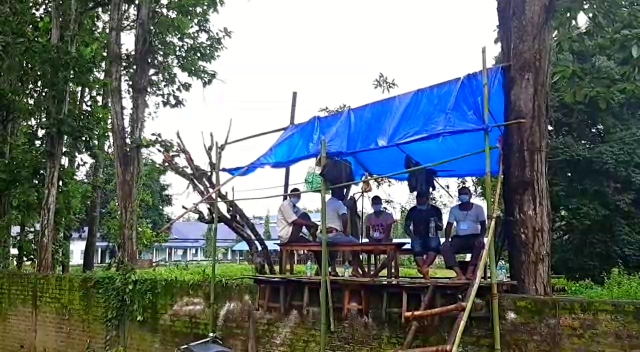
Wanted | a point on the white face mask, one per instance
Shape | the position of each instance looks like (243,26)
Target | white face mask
(376,207)
(295,200)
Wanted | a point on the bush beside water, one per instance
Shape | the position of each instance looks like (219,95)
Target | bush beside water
(618,285)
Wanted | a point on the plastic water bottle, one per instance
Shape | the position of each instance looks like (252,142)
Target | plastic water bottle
(502,271)
(309,268)
(347,270)
(432,228)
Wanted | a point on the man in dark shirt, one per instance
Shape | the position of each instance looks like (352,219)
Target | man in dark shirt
(425,242)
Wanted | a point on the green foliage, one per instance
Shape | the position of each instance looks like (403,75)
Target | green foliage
(267,231)
(383,83)
(619,285)
(153,199)
(594,162)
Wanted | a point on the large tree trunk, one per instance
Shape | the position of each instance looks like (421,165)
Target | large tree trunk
(53,149)
(126,177)
(525,35)
(54,145)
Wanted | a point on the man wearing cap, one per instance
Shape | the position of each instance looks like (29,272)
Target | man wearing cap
(421,224)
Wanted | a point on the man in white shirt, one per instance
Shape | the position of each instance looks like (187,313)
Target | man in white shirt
(471,226)
(337,221)
(291,220)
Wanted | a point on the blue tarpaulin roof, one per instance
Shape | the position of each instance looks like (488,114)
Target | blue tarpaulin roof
(431,125)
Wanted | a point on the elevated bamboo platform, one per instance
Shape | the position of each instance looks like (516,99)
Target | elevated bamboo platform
(392,299)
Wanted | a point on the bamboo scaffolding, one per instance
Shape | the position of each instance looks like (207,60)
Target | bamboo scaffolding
(487,181)
(325,255)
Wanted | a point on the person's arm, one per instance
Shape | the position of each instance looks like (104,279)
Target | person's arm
(438,219)
(408,219)
(367,229)
(388,227)
(483,220)
(344,217)
(288,213)
(447,230)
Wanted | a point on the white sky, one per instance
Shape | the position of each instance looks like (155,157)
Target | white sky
(329,52)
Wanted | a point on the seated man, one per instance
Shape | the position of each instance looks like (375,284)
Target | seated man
(425,242)
(337,221)
(471,226)
(378,227)
(290,222)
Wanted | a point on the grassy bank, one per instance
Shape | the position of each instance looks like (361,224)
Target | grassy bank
(618,285)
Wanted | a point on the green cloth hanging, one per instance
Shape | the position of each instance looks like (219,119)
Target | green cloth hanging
(313,180)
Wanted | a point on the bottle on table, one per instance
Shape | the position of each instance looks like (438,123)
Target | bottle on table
(309,268)
(501,270)
(347,270)
(432,228)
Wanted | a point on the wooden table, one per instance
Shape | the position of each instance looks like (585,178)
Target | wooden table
(390,249)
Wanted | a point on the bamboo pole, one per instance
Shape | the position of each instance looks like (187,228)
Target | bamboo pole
(330,297)
(292,121)
(454,340)
(460,306)
(325,255)
(495,313)
(214,245)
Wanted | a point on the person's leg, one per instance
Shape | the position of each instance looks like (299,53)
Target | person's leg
(312,230)
(431,246)
(449,250)
(476,242)
(385,262)
(418,254)
(333,255)
(355,255)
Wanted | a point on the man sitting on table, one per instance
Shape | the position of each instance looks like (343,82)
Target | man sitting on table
(291,220)
(337,221)
(425,242)
(378,227)
(471,225)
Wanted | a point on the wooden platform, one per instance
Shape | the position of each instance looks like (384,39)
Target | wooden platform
(389,298)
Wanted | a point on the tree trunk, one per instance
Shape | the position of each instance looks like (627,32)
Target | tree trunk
(22,239)
(125,162)
(94,210)
(525,35)
(5,201)
(54,145)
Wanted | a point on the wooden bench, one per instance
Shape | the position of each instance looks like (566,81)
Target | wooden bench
(390,249)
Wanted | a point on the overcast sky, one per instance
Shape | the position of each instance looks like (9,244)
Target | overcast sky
(329,52)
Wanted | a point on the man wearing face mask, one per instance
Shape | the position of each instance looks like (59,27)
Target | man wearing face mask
(290,222)
(471,226)
(378,228)
(421,224)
